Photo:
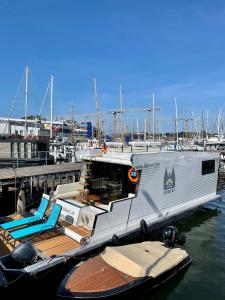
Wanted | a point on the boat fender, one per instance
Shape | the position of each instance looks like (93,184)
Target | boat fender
(144,229)
(133,175)
(115,240)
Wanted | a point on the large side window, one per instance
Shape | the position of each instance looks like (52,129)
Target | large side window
(208,167)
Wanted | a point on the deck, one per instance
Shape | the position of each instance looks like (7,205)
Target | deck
(10,173)
(50,243)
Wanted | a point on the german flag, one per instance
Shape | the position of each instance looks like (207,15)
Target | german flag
(104,149)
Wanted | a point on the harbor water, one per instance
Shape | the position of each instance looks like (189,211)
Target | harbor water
(203,279)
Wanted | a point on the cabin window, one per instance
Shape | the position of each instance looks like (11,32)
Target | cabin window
(208,167)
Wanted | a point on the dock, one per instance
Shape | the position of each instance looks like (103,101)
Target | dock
(30,182)
(8,175)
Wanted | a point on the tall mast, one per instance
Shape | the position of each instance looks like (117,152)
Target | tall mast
(121,115)
(51,100)
(114,126)
(149,123)
(145,131)
(72,120)
(218,123)
(153,117)
(26,100)
(176,121)
(97,110)
(137,128)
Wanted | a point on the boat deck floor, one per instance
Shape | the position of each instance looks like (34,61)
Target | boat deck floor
(54,243)
(99,275)
(49,243)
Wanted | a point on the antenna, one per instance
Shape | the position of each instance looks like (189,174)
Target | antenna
(26,100)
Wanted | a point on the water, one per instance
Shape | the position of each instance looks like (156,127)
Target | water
(204,279)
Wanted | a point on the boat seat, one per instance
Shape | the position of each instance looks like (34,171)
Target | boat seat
(68,190)
(39,215)
(39,228)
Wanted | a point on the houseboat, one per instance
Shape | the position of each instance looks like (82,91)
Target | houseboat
(118,194)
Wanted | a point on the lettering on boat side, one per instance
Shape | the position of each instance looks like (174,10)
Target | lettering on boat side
(169,181)
(145,166)
(66,210)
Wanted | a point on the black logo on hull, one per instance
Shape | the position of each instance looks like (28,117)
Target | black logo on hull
(169,181)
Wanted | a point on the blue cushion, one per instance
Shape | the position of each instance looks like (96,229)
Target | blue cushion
(39,228)
(25,221)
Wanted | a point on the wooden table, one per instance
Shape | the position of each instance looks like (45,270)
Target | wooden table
(86,199)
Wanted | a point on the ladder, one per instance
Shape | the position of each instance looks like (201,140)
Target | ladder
(85,179)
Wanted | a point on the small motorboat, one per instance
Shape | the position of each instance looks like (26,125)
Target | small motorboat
(120,269)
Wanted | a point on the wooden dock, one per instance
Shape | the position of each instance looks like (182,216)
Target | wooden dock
(24,172)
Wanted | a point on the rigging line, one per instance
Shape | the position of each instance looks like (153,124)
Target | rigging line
(42,104)
(35,85)
(14,101)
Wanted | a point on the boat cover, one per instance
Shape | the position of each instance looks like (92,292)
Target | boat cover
(143,259)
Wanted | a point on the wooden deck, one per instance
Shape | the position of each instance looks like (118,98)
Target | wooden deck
(54,243)
(78,229)
(49,243)
(95,275)
(5,248)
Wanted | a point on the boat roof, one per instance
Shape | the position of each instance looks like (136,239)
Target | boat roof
(125,158)
(143,259)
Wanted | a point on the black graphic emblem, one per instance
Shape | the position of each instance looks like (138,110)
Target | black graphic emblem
(169,181)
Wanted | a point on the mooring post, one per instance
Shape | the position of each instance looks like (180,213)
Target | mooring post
(37,184)
(45,184)
(60,178)
(53,182)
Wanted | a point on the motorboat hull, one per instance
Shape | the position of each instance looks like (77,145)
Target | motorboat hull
(96,279)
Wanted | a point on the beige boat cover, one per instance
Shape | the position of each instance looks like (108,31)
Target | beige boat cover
(143,259)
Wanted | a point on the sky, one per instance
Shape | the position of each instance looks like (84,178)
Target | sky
(172,48)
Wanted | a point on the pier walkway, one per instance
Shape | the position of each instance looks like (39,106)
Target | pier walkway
(9,174)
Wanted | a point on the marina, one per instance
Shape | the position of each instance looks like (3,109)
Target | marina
(112,150)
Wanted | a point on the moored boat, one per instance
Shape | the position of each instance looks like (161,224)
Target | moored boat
(118,196)
(121,269)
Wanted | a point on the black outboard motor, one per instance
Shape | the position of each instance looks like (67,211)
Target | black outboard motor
(24,254)
(171,236)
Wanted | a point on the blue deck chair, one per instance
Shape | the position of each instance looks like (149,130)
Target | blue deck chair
(39,228)
(28,220)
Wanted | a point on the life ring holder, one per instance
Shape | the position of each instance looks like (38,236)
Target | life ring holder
(132,178)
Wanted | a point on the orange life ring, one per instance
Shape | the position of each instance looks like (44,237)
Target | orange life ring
(133,175)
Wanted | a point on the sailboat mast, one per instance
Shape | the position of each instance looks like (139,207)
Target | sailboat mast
(51,101)
(97,110)
(153,117)
(121,115)
(176,121)
(145,131)
(26,100)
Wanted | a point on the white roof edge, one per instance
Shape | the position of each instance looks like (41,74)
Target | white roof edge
(110,159)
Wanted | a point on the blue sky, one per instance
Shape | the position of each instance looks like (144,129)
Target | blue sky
(174,48)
